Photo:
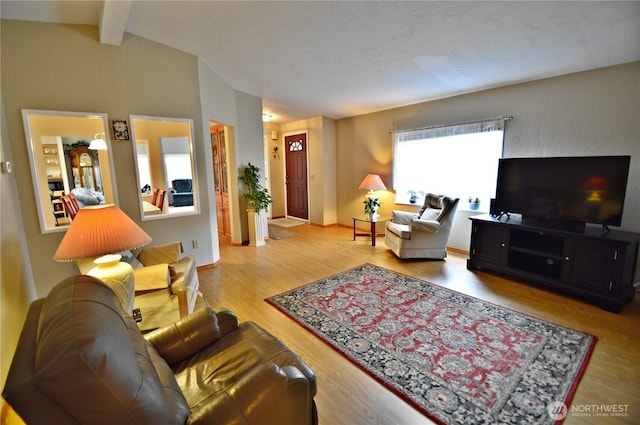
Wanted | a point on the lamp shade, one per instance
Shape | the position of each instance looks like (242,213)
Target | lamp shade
(97,230)
(596,183)
(372,182)
(98,143)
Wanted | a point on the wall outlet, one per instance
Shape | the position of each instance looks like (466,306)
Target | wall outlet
(195,244)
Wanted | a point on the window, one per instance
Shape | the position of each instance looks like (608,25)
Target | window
(177,166)
(144,171)
(459,161)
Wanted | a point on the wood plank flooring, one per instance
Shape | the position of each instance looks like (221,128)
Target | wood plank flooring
(246,276)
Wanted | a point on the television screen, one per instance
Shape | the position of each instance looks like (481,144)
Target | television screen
(581,189)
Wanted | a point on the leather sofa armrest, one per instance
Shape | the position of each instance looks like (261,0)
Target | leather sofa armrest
(286,387)
(403,217)
(430,226)
(186,337)
(227,320)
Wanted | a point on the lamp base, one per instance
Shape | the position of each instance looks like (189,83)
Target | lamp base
(118,276)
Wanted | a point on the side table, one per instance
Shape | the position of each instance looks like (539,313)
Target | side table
(372,220)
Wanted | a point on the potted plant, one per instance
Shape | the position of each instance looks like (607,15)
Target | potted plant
(474,202)
(371,206)
(258,200)
(413,197)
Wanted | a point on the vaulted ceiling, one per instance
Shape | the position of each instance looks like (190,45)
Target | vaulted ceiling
(345,58)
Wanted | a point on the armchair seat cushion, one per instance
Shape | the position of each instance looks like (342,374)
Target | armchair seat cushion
(401,230)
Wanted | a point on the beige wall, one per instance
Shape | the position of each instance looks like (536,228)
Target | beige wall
(67,69)
(17,289)
(588,113)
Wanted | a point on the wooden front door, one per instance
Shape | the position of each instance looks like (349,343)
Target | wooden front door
(220,179)
(296,178)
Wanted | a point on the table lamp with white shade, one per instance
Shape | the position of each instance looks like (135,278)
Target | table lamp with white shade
(104,231)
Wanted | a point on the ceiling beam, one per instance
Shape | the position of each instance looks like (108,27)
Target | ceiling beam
(113,22)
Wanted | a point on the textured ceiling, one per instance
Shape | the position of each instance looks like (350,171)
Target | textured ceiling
(344,58)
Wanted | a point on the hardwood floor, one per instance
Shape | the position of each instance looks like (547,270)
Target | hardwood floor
(346,394)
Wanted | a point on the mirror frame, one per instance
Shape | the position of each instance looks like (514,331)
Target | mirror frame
(35,171)
(194,174)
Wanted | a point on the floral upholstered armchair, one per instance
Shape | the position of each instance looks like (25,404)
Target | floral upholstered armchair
(423,234)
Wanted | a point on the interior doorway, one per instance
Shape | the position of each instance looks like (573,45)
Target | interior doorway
(297,192)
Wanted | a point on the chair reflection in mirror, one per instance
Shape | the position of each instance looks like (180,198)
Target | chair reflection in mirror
(71,205)
(158,198)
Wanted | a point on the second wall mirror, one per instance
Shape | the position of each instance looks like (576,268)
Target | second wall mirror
(165,166)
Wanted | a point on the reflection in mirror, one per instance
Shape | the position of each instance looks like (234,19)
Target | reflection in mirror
(165,166)
(63,163)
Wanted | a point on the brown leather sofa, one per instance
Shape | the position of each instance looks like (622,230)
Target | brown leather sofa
(80,360)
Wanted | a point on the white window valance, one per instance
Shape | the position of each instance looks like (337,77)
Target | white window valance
(492,124)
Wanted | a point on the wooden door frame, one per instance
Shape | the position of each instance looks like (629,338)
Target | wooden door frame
(284,173)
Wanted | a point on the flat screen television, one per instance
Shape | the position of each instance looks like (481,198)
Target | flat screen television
(564,190)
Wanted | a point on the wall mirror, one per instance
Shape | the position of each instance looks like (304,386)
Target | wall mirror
(63,162)
(165,166)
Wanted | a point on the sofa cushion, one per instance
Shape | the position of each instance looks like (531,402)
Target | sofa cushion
(432,201)
(168,253)
(111,378)
(430,214)
(86,197)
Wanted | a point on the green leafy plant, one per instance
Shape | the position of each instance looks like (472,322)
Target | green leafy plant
(72,146)
(371,205)
(258,197)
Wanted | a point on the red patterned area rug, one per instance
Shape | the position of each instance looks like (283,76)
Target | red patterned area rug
(456,358)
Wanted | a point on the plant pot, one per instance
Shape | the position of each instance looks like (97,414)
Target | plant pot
(474,205)
(256,227)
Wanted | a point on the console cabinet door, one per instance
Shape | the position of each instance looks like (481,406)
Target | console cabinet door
(489,243)
(594,265)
